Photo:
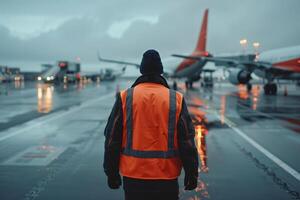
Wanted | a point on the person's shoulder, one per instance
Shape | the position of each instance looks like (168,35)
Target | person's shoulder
(178,94)
(123,93)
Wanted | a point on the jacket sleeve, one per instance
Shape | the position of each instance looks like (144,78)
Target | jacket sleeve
(113,139)
(186,143)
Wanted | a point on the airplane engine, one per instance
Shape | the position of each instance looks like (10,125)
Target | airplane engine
(239,76)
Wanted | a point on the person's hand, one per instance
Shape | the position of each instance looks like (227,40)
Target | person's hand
(114,182)
(190,182)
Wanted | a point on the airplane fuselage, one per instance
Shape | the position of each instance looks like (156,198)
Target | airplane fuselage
(186,68)
(285,58)
(191,70)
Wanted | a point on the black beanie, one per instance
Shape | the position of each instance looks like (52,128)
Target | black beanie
(151,63)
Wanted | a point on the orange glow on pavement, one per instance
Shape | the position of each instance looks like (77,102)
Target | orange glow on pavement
(223,109)
(242,92)
(44,98)
(197,115)
(201,146)
(255,96)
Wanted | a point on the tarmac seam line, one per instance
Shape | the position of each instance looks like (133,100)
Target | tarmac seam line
(264,151)
(23,129)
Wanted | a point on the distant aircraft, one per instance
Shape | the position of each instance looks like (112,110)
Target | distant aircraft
(106,74)
(109,74)
(190,69)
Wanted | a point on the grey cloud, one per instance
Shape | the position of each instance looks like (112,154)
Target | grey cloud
(273,23)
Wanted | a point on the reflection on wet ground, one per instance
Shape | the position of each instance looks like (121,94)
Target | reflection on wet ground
(223,109)
(45,97)
(250,107)
(200,139)
(195,107)
(198,117)
(59,155)
(19,84)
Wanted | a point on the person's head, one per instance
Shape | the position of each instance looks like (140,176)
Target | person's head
(151,63)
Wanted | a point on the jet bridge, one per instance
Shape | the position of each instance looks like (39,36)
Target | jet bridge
(50,74)
(62,71)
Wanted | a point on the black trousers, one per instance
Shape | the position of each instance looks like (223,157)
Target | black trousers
(138,189)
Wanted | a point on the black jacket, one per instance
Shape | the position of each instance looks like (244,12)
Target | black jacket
(113,134)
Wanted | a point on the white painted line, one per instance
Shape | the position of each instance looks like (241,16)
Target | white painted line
(272,157)
(55,117)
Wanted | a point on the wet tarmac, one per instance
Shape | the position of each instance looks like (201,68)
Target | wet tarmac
(51,141)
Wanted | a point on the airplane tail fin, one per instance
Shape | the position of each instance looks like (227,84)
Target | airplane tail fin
(201,44)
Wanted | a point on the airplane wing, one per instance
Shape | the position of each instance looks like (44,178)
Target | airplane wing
(117,61)
(237,62)
(223,61)
(188,57)
(217,60)
(248,65)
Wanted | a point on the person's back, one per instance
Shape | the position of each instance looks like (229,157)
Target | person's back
(149,136)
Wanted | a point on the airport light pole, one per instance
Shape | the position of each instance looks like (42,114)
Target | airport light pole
(243,43)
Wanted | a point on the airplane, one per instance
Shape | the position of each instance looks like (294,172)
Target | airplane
(283,63)
(189,69)
(105,74)
(108,74)
(280,64)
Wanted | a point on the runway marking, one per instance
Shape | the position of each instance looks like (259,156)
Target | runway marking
(23,129)
(264,151)
(35,156)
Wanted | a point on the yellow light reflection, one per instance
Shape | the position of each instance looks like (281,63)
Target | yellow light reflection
(200,138)
(223,109)
(199,120)
(255,97)
(45,98)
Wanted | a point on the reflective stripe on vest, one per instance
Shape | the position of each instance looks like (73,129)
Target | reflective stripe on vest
(171,152)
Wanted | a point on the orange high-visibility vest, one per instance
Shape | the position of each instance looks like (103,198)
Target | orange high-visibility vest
(149,143)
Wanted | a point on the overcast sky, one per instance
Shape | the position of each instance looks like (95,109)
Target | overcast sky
(49,30)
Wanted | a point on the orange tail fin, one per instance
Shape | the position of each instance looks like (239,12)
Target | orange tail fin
(201,44)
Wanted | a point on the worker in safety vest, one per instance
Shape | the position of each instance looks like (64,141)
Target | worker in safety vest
(149,137)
